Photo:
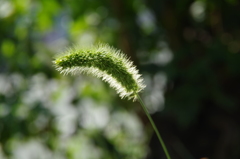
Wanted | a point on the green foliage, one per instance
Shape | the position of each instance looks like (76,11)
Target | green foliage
(187,51)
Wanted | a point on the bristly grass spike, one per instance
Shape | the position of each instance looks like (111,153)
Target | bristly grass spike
(104,62)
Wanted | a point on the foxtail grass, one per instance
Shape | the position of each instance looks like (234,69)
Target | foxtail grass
(113,67)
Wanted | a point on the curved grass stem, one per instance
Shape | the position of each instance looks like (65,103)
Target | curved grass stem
(154,127)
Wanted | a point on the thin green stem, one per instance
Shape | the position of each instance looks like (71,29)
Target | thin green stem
(154,127)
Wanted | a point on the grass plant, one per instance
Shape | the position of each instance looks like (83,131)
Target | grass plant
(113,67)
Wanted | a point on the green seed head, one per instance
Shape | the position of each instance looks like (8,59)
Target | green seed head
(106,63)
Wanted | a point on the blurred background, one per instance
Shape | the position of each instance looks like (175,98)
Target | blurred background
(187,50)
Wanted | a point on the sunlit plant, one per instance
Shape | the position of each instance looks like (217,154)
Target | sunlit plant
(112,66)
